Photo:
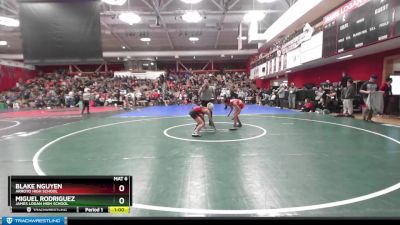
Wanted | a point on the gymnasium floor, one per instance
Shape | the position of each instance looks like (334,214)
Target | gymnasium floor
(281,163)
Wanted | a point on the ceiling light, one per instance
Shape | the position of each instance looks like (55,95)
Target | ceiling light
(231,56)
(9,22)
(243,38)
(266,1)
(193,39)
(146,64)
(130,18)
(152,63)
(345,57)
(114,2)
(177,57)
(192,17)
(191,1)
(254,16)
(145,39)
(3,43)
(123,47)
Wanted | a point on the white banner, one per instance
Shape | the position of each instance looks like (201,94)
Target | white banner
(152,75)
(240,41)
(293,58)
(252,76)
(312,49)
(256,75)
(273,66)
(262,70)
(283,62)
(298,40)
(277,64)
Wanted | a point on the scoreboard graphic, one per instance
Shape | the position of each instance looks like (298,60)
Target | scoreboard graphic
(72,194)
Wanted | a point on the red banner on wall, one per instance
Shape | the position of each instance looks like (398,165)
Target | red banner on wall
(346,8)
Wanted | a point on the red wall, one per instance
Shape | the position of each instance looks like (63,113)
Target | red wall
(263,83)
(359,69)
(9,76)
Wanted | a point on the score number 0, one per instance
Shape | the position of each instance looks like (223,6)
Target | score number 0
(121,188)
(121,200)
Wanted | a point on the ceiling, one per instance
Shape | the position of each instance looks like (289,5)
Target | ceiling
(217,31)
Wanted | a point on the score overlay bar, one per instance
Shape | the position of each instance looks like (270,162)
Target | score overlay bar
(68,193)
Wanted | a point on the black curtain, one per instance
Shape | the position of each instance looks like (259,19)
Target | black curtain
(61,31)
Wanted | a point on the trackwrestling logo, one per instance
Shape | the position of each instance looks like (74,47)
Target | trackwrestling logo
(32,220)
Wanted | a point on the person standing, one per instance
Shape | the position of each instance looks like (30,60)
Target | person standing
(292,96)
(345,78)
(348,94)
(259,96)
(85,100)
(366,89)
(236,105)
(281,95)
(387,93)
(206,93)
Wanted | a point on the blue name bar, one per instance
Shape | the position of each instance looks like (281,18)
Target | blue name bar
(32,220)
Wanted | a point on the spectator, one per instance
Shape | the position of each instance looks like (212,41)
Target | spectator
(387,93)
(366,89)
(332,102)
(325,85)
(308,106)
(345,78)
(281,95)
(130,101)
(320,97)
(348,94)
(61,90)
(292,96)
(241,94)
(69,99)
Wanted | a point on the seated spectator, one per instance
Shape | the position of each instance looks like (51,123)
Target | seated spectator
(332,102)
(308,106)
(62,90)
